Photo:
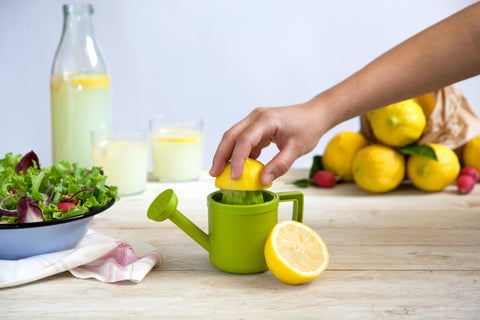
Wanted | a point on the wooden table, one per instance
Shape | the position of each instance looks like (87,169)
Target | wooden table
(402,255)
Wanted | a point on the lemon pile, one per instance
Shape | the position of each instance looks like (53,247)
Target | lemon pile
(381,167)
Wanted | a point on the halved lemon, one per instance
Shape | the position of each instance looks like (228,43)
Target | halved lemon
(248,181)
(295,253)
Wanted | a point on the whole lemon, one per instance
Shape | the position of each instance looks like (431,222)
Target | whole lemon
(471,154)
(430,175)
(399,124)
(427,103)
(339,153)
(378,168)
(369,115)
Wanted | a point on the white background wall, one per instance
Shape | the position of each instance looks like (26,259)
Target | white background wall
(219,59)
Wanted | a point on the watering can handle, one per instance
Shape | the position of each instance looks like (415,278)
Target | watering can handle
(297,198)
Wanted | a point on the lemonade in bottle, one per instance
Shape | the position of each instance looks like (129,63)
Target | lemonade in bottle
(80,88)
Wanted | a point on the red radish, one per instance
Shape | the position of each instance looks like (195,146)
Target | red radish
(465,184)
(324,179)
(470,171)
(65,206)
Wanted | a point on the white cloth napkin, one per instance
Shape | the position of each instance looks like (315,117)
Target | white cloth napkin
(96,256)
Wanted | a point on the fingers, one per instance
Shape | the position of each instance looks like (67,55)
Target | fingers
(252,139)
(227,144)
(257,150)
(279,165)
(248,137)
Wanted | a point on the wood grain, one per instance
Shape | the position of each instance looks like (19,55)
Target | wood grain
(402,255)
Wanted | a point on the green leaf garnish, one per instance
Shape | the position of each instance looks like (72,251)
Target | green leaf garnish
(303,183)
(316,166)
(421,150)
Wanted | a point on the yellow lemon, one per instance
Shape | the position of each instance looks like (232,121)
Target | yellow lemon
(471,154)
(427,103)
(399,124)
(339,153)
(378,168)
(430,175)
(248,181)
(295,253)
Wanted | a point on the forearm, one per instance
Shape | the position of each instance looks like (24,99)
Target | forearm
(438,56)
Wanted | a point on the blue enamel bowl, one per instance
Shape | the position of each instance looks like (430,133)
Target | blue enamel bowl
(24,240)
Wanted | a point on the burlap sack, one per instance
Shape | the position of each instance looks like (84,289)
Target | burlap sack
(452,122)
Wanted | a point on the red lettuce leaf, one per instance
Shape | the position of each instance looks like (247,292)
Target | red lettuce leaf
(27,161)
(28,210)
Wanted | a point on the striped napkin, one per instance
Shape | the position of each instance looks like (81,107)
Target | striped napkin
(96,256)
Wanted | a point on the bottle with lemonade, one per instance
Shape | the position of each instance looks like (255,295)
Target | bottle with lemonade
(80,88)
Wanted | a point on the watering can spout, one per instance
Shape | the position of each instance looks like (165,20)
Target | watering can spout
(165,207)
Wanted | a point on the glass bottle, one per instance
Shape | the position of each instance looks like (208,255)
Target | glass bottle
(80,88)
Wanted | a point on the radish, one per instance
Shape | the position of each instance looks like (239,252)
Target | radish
(470,171)
(65,206)
(324,179)
(465,184)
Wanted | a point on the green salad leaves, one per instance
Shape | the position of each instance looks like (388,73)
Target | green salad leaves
(29,193)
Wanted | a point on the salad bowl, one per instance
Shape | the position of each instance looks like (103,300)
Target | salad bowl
(30,239)
(47,209)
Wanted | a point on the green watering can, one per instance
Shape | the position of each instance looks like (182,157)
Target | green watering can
(237,233)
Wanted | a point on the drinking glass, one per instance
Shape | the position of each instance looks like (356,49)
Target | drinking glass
(122,152)
(177,145)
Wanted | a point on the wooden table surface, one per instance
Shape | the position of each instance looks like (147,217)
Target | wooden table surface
(403,255)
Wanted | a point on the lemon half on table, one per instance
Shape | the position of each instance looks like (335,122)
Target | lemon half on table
(295,253)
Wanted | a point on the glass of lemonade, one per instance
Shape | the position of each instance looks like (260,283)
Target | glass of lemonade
(177,145)
(122,152)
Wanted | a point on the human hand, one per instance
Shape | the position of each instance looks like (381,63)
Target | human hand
(294,129)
